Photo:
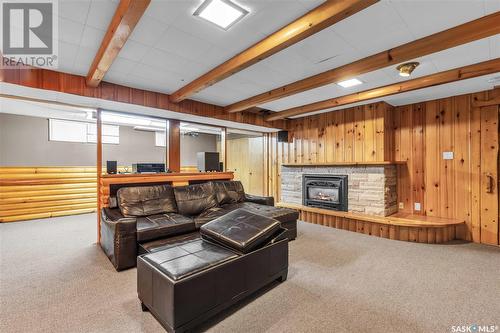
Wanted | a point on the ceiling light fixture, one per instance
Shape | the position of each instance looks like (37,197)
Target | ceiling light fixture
(406,69)
(349,83)
(223,13)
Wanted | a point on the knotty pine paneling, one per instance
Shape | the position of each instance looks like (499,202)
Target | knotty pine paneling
(418,134)
(74,84)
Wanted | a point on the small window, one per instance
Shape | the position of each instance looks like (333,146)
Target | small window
(83,132)
(160,139)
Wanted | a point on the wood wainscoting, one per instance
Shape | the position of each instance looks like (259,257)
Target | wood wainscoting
(28,193)
(39,192)
(400,226)
(462,188)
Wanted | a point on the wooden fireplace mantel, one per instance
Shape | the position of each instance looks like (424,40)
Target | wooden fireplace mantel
(345,163)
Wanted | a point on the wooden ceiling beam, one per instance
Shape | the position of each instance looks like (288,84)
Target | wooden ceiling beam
(468,32)
(126,17)
(323,16)
(457,74)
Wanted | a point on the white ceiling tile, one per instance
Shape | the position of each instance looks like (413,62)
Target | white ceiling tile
(495,46)
(67,55)
(168,11)
(428,17)
(183,44)
(310,4)
(276,15)
(84,60)
(463,55)
(123,65)
(148,31)
(75,10)
(70,31)
(491,6)
(134,51)
(375,29)
(101,12)
(92,37)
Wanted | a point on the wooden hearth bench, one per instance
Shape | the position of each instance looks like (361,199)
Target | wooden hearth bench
(399,226)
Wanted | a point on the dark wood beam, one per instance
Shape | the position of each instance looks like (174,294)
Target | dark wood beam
(323,16)
(457,74)
(123,23)
(468,32)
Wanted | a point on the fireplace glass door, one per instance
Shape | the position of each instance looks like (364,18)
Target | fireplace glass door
(328,194)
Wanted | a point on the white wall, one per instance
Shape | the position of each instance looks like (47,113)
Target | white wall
(24,141)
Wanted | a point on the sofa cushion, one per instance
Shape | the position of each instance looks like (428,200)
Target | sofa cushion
(208,215)
(240,230)
(164,243)
(284,215)
(195,199)
(163,225)
(230,191)
(146,200)
(188,258)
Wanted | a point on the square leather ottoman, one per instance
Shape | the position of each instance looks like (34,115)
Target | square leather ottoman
(240,230)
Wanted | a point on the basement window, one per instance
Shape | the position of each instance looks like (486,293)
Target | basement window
(82,132)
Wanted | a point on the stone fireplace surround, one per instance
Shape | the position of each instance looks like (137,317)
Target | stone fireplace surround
(372,189)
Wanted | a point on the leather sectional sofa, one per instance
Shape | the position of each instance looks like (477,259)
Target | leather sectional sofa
(145,219)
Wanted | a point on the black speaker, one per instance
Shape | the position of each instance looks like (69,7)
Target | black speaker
(111,167)
(208,161)
(221,166)
(283,136)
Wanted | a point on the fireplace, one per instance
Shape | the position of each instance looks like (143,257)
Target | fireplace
(325,191)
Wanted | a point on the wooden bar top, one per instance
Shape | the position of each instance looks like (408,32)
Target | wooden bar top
(167,177)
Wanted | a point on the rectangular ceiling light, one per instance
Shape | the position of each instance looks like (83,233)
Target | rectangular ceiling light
(349,83)
(223,13)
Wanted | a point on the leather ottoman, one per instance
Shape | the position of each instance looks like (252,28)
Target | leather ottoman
(185,284)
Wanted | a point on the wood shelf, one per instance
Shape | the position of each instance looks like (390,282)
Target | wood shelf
(345,163)
(399,226)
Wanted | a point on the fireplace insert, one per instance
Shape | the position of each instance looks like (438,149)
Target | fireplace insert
(325,191)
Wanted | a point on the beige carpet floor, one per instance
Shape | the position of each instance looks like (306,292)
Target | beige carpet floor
(53,278)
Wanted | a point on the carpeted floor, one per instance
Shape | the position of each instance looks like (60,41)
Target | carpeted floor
(53,278)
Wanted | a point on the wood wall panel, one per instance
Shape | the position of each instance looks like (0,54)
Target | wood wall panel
(418,134)
(74,84)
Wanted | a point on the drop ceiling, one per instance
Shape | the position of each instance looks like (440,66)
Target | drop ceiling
(169,47)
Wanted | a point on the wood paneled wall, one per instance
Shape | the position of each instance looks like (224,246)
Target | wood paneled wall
(39,192)
(359,134)
(418,134)
(28,193)
(74,84)
(445,188)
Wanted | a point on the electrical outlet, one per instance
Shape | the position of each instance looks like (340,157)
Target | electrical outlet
(401,205)
(447,155)
(417,206)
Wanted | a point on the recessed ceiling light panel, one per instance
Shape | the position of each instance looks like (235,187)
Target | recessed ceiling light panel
(223,13)
(349,83)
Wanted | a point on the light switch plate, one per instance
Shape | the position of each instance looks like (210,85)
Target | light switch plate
(447,155)
(401,205)
(418,207)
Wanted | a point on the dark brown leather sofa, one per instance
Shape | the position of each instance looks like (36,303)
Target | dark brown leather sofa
(148,218)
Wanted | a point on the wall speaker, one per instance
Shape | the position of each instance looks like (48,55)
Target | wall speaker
(283,136)
(111,167)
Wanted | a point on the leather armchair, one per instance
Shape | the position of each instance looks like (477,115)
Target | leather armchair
(261,200)
(119,238)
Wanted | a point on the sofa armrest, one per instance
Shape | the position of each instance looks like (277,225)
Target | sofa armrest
(119,238)
(268,201)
